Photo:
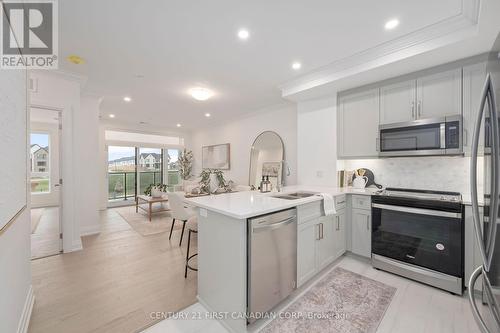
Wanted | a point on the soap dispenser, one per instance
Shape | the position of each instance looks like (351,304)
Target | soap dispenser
(262,184)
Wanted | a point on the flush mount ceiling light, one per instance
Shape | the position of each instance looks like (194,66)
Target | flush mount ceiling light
(207,115)
(296,65)
(179,125)
(111,116)
(201,94)
(74,59)
(243,34)
(127,99)
(391,24)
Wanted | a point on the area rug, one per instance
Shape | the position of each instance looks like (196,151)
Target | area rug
(160,222)
(36,215)
(342,301)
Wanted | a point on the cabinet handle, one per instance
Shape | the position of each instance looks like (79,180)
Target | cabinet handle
(322,234)
(338,222)
(319,232)
(464,139)
(419,109)
(413,110)
(367,222)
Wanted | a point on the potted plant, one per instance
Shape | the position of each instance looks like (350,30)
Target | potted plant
(156,190)
(186,164)
(212,180)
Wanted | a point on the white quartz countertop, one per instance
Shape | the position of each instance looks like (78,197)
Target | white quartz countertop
(242,205)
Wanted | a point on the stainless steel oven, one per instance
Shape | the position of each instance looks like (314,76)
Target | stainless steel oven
(420,235)
(437,136)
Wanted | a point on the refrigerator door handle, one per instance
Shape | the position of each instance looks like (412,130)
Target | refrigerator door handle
(495,159)
(473,173)
(475,311)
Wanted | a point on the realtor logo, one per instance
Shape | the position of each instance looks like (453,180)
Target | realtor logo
(29,34)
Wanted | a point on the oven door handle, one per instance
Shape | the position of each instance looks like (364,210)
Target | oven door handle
(420,211)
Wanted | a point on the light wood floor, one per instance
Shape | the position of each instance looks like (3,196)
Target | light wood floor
(415,308)
(45,240)
(113,284)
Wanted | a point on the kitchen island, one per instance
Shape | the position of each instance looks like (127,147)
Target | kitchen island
(222,244)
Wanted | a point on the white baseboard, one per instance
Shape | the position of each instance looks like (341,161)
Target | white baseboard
(24,321)
(76,246)
(90,230)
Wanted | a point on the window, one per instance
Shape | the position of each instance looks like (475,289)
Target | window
(39,166)
(121,172)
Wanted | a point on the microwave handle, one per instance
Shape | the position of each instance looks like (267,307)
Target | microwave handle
(442,135)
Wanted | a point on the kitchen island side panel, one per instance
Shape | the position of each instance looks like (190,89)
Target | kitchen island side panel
(222,266)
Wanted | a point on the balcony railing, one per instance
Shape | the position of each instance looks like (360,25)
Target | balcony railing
(122,185)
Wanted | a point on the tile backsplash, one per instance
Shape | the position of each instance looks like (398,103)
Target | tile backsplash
(442,173)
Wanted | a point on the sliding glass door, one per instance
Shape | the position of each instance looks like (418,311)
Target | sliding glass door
(121,173)
(149,168)
(172,166)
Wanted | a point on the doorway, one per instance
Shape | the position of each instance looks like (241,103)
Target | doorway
(45,182)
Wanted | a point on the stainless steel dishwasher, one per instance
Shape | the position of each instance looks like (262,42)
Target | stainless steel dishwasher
(272,261)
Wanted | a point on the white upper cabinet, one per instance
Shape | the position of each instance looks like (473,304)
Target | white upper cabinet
(439,94)
(473,83)
(397,102)
(358,119)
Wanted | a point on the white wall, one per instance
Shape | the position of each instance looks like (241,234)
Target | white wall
(87,182)
(241,133)
(317,142)
(62,91)
(15,265)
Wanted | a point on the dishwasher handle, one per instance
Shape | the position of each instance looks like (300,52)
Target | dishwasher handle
(273,226)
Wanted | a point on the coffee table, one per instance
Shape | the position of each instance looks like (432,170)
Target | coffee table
(149,201)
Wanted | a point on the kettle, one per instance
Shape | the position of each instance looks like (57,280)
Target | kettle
(359,181)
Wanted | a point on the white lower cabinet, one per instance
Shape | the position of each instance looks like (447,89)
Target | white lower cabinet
(361,232)
(307,236)
(340,234)
(319,242)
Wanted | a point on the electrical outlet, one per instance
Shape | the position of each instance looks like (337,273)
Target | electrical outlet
(319,174)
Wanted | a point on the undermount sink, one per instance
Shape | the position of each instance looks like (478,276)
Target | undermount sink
(294,196)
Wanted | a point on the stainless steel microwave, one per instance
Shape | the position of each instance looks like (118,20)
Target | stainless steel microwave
(436,136)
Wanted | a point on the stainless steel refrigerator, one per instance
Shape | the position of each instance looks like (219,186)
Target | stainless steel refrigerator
(488,232)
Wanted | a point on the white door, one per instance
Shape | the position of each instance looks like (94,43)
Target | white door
(45,182)
(326,245)
(361,232)
(358,124)
(397,102)
(307,236)
(439,94)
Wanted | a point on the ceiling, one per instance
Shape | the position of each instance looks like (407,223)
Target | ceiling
(154,51)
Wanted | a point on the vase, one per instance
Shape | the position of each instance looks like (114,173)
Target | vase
(156,192)
(214,183)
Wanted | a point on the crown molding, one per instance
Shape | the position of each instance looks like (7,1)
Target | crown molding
(428,38)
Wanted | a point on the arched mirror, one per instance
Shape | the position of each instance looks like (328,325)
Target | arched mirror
(266,159)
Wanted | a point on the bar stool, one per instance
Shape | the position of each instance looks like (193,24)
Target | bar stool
(193,229)
(179,212)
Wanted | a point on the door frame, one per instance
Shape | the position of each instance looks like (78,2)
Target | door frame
(71,240)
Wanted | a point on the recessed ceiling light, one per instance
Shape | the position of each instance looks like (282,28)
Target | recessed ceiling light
(179,125)
(296,65)
(207,115)
(391,24)
(201,94)
(127,99)
(111,116)
(243,34)
(74,59)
